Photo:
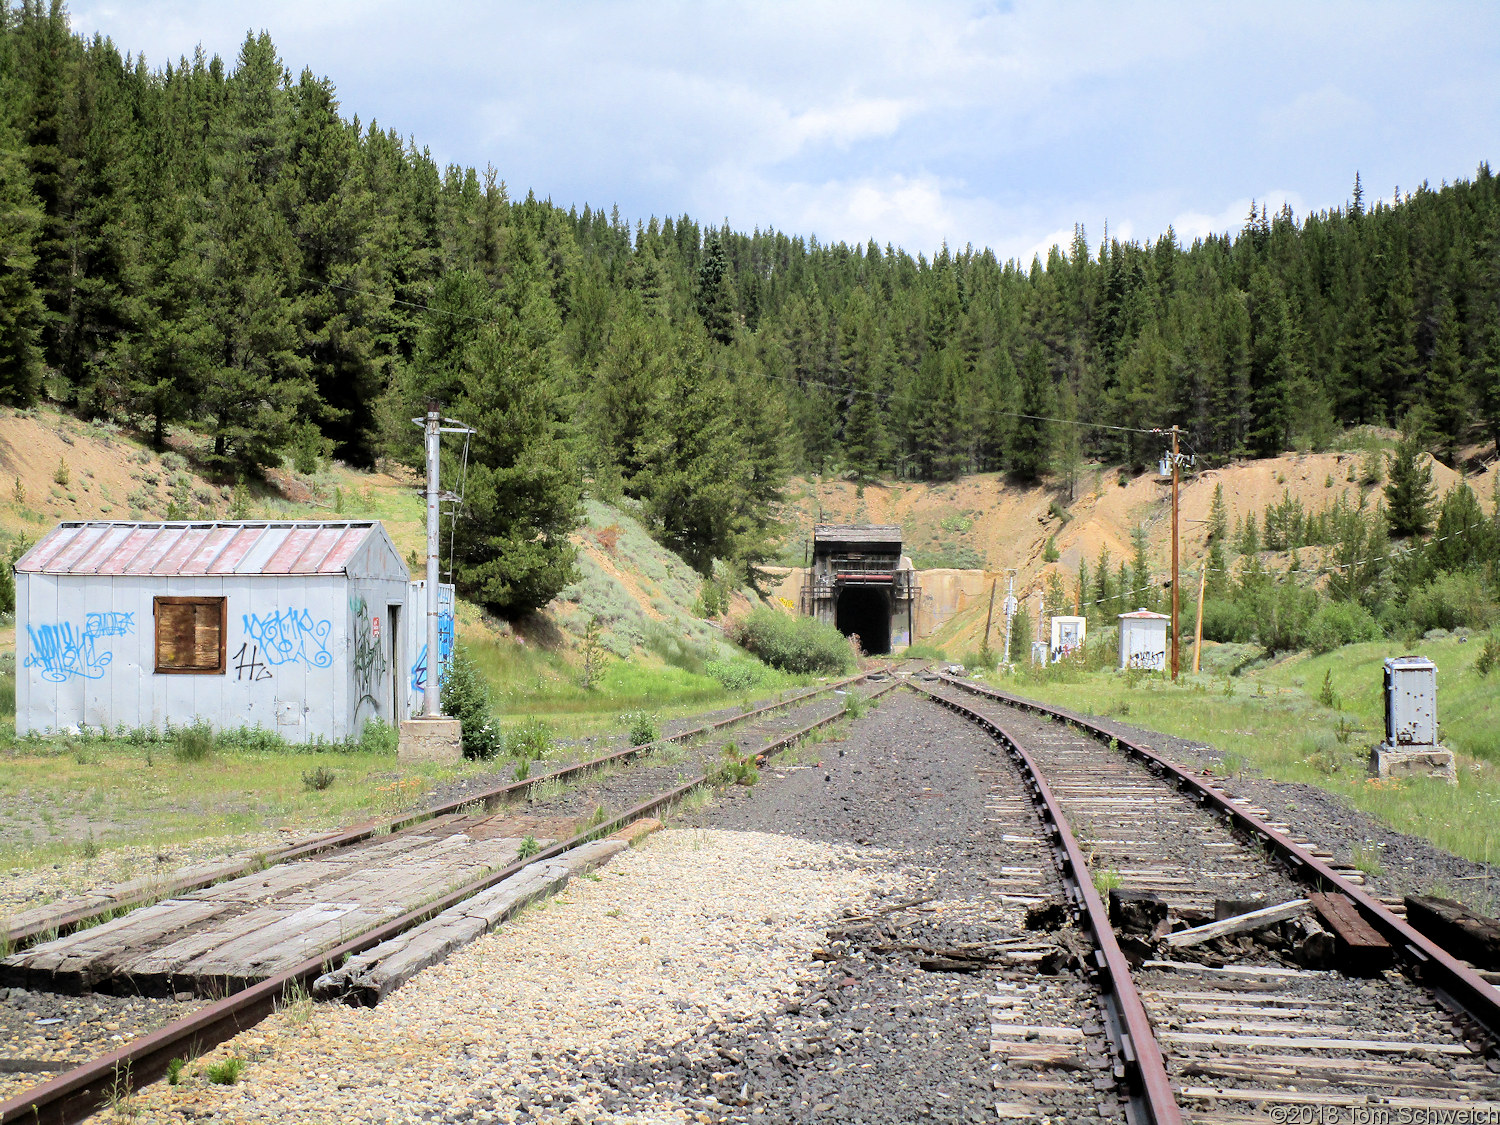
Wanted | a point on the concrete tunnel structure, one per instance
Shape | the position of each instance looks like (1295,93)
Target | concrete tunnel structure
(862,584)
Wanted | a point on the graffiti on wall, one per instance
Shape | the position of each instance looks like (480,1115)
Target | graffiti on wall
(290,636)
(249,665)
(63,652)
(369,659)
(445,651)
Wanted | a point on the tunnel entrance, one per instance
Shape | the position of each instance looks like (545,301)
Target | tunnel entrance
(865,610)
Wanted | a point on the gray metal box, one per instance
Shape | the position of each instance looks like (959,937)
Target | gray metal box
(1410,701)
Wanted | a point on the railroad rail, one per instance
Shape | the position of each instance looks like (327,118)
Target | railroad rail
(69,916)
(1140,1065)
(82,1091)
(1300,1038)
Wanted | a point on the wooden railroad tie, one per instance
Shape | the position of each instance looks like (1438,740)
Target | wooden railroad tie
(1361,949)
(1456,928)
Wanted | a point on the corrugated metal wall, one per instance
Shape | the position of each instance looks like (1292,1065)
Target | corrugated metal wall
(307,656)
(85,654)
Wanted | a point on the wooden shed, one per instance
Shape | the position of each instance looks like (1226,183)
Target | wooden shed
(299,627)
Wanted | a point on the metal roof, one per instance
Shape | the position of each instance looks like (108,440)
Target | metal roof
(856,533)
(1145,615)
(168,549)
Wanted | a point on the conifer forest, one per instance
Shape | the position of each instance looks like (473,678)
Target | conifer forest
(221,245)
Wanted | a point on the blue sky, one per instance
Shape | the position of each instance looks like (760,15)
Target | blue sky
(994,124)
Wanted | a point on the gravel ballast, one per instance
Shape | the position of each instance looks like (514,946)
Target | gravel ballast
(759,960)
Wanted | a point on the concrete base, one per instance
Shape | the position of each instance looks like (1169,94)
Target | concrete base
(430,740)
(1413,761)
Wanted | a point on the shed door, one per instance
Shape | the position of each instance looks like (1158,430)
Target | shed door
(394,663)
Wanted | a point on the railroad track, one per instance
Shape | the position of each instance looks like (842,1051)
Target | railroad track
(116,1070)
(1233,1028)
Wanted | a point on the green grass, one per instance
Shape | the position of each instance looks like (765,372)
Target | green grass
(529,681)
(1273,723)
(132,795)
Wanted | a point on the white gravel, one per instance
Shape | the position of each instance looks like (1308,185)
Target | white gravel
(692,925)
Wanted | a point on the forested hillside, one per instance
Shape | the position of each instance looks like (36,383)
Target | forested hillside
(226,248)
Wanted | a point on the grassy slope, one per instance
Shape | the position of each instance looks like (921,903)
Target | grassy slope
(1273,721)
(63,799)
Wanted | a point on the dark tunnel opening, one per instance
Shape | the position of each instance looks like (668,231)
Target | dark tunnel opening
(865,610)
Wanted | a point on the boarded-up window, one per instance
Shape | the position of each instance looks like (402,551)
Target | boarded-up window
(190,635)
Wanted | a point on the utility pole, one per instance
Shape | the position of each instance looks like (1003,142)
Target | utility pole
(989,617)
(432,431)
(1174,553)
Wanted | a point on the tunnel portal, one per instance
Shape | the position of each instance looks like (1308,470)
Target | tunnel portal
(865,612)
(862,584)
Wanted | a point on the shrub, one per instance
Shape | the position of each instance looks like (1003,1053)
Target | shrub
(1488,656)
(378,737)
(734,675)
(531,740)
(1227,621)
(641,727)
(319,779)
(256,739)
(799,645)
(1340,623)
(194,743)
(1448,602)
(734,770)
(466,697)
(529,847)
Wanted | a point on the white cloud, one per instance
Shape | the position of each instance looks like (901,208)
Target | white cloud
(908,121)
(1191,225)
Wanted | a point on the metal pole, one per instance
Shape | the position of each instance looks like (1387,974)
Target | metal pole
(1010,611)
(1174,554)
(1198,630)
(431,705)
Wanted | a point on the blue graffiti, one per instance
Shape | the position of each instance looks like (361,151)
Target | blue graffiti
(61,653)
(445,654)
(108,624)
(291,636)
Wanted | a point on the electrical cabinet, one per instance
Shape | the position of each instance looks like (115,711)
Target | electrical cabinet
(1410,701)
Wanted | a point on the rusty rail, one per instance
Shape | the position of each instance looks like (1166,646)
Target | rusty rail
(1454,983)
(1140,1064)
(83,1091)
(66,921)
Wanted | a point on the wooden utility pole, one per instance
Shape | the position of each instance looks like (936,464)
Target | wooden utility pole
(989,617)
(1198,631)
(1174,554)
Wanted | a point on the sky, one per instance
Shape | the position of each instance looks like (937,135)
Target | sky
(996,124)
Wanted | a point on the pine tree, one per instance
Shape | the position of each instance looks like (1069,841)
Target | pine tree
(1409,494)
(1485,375)
(1032,436)
(1218,516)
(715,296)
(866,442)
(1464,539)
(1140,569)
(1273,370)
(492,360)
(21,307)
(1446,398)
(256,390)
